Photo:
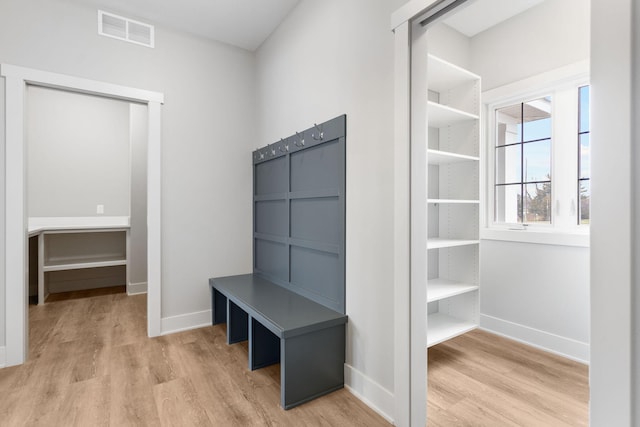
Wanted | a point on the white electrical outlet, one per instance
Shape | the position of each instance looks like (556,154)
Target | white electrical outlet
(100,209)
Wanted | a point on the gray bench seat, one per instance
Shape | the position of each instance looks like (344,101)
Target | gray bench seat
(307,338)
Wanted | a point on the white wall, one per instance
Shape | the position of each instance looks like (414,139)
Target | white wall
(207,131)
(78,154)
(450,45)
(537,293)
(326,59)
(547,36)
(138,231)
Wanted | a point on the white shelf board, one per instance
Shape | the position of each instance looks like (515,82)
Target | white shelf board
(441,327)
(438,289)
(438,243)
(37,225)
(442,75)
(453,201)
(437,157)
(79,263)
(439,115)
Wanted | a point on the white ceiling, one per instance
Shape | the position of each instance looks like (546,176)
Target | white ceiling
(481,15)
(248,23)
(242,23)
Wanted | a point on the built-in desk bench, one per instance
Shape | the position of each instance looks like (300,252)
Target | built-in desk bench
(307,338)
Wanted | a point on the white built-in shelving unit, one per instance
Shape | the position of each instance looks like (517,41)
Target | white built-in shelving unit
(453,116)
(74,243)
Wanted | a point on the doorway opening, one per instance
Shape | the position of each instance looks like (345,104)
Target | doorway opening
(86,208)
(495,211)
(16,268)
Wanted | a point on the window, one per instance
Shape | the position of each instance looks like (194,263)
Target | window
(523,162)
(584,156)
(537,168)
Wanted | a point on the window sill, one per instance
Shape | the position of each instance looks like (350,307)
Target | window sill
(577,238)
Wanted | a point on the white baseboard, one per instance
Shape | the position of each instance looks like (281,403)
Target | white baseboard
(137,288)
(3,356)
(562,346)
(185,322)
(371,393)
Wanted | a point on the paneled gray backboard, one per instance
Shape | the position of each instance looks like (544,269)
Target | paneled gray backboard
(315,218)
(316,168)
(299,213)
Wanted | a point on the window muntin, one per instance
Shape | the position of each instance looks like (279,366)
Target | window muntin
(584,156)
(522,186)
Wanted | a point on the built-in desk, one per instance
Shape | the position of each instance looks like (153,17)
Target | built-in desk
(71,243)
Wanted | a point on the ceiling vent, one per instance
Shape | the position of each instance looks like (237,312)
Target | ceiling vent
(126,29)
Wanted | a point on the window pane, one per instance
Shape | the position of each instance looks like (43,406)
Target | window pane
(584,95)
(509,125)
(585,156)
(537,161)
(508,203)
(585,199)
(537,203)
(508,164)
(537,119)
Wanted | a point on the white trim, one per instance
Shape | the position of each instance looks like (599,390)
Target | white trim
(409,11)
(613,80)
(16,280)
(154,220)
(16,299)
(185,322)
(542,237)
(370,392)
(3,356)
(79,84)
(562,85)
(419,224)
(562,346)
(136,288)
(402,230)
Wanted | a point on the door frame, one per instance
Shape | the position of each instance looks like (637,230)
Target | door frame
(16,234)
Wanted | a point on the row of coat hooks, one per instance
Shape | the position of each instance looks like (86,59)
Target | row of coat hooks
(270,150)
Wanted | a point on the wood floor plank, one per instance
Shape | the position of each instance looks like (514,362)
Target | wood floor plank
(85,403)
(91,364)
(178,404)
(500,381)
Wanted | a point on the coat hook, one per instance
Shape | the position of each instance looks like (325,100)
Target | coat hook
(300,141)
(284,147)
(320,136)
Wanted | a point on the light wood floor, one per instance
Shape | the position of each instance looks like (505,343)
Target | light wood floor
(91,364)
(480,379)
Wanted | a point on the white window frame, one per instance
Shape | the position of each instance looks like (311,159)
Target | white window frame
(562,85)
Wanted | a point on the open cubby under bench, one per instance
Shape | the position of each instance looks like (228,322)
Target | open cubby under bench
(307,338)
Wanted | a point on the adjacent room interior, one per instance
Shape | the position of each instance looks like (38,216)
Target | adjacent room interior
(508,212)
(452,250)
(86,193)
